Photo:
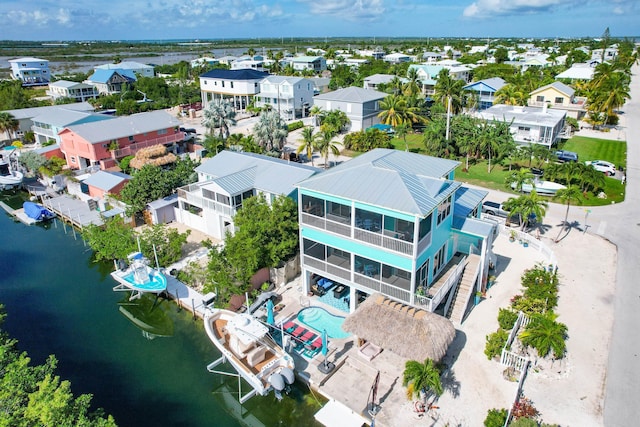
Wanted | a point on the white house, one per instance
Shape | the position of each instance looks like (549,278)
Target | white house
(238,86)
(205,60)
(312,63)
(290,96)
(143,70)
(372,82)
(30,71)
(74,90)
(397,58)
(360,105)
(228,179)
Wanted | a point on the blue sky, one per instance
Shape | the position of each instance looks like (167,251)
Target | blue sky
(203,19)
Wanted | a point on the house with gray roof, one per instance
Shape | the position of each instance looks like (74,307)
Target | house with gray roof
(559,96)
(529,125)
(372,82)
(311,63)
(77,91)
(288,95)
(396,223)
(101,183)
(229,178)
(110,81)
(360,105)
(47,125)
(25,116)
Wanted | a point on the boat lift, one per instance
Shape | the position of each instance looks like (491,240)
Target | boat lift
(211,368)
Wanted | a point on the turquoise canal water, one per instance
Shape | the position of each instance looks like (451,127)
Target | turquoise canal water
(60,302)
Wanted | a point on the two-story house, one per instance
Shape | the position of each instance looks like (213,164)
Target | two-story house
(47,125)
(485,91)
(289,96)
(396,223)
(104,142)
(30,71)
(372,82)
(137,68)
(312,63)
(559,96)
(80,92)
(237,86)
(228,179)
(360,105)
(25,116)
(397,58)
(111,81)
(529,125)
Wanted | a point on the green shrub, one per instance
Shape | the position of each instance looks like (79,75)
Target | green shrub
(295,125)
(495,343)
(507,318)
(524,422)
(528,306)
(542,285)
(495,418)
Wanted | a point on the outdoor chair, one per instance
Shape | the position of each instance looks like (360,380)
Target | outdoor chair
(289,326)
(298,331)
(308,337)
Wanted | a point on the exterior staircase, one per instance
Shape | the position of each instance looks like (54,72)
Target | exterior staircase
(465,289)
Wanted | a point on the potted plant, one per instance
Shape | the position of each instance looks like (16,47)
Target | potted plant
(512,235)
(477,298)
(490,281)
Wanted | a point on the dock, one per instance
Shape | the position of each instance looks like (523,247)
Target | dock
(74,211)
(18,214)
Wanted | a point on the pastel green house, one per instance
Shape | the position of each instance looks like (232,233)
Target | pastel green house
(395,223)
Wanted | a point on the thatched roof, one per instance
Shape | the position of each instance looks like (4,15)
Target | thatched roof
(405,330)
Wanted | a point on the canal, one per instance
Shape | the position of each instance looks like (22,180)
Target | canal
(144,361)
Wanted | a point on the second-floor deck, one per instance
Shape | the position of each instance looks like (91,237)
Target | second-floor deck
(133,148)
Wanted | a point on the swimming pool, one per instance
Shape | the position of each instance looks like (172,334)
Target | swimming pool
(319,319)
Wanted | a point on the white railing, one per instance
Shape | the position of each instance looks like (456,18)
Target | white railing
(136,146)
(509,358)
(396,293)
(531,241)
(435,299)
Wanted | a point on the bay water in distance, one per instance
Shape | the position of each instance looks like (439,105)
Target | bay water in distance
(144,361)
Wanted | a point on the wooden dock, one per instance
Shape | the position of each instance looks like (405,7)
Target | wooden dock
(74,211)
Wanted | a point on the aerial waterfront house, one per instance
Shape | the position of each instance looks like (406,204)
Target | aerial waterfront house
(79,92)
(289,96)
(237,86)
(395,223)
(529,125)
(360,105)
(229,178)
(110,81)
(25,116)
(103,143)
(47,125)
(302,63)
(30,71)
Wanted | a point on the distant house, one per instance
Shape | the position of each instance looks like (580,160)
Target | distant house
(529,125)
(397,58)
(312,63)
(237,86)
(91,144)
(30,71)
(143,70)
(290,96)
(101,183)
(25,116)
(74,90)
(321,84)
(432,56)
(579,71)
(110,81)
(485,90)
(559,96)
(47,125)
(248,63)
(226,181)
(360,105)
(205,60)
(372,82)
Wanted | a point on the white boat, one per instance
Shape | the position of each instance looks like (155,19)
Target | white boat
(138,276)
(10,176)
(246,344)
(545,188)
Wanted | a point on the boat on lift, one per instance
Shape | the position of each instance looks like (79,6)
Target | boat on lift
(138,276)
(10,176)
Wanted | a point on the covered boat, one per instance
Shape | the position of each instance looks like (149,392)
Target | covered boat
(245,343)
(545,188)
(138,276)
(37,212)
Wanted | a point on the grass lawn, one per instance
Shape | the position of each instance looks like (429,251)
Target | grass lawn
(414,140)
(598,149)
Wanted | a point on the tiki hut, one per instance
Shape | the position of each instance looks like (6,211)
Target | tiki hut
(156,155)
(408,331)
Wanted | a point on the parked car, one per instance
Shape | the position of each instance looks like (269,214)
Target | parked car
(498,210)
(566,156)
(607,168)
(188,130)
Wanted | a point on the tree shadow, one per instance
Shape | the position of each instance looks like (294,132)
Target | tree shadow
(568,226)
(448,377)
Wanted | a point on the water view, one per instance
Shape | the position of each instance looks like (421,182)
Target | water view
(144,360)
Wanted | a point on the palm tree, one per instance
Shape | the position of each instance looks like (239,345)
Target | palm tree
(421,377)
(324,144)
(527,206)
(395,85)
(308,143)
(487,141)
(509,94)
(413,87)
(449,88)
(401,131)
(219,113)
(334,121)
(8,124)
(271,131)
(519,178)
(545,334)
(567,195)
(316,112)
(394,110)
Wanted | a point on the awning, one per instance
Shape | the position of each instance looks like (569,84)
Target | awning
(336,414)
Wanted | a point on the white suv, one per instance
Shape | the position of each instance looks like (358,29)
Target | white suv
(607,168)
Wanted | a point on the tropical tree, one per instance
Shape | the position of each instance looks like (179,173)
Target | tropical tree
(567,195)
(421,377)
(545,334)
(394,111)
(413,86)
(527,206)
(325,144)
(271,131)
(219,113)
(334,121)
(401,131)
(435,140)
(488,141)
(517,179)
(8,124)
(307,143)
(316,113)
(510,94)
(448,89)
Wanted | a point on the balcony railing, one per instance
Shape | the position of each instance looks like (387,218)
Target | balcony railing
(204,203)
(132,149)
(43,131)
(326,267)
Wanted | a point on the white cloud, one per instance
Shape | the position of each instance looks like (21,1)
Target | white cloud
(348,9)
(487,8)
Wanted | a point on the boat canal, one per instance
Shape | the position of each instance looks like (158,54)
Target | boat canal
(144,361)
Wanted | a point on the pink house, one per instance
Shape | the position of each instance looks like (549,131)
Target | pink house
(92,144)
(101,183)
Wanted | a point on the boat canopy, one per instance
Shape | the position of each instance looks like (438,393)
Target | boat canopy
(35,211)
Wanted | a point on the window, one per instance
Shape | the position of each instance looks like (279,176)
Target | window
(444,209)
(73,159)
(162,131)
(222,84)
(231,83)
(438,259)
(524,128)
(559,100)
(540,98)
(130,138)
(425,226)
(221,198)
(423,275)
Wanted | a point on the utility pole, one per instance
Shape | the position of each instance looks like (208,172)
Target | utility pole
(448,116)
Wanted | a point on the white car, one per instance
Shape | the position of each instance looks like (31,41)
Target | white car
(603,166)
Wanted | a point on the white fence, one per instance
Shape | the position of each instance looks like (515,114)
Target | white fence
(532,242)
(509,358)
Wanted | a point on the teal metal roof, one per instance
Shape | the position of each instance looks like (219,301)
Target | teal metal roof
(467,199)
(397,180)
(474,226)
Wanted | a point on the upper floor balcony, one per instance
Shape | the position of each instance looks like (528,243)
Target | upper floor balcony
(134,147)
(194,195)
